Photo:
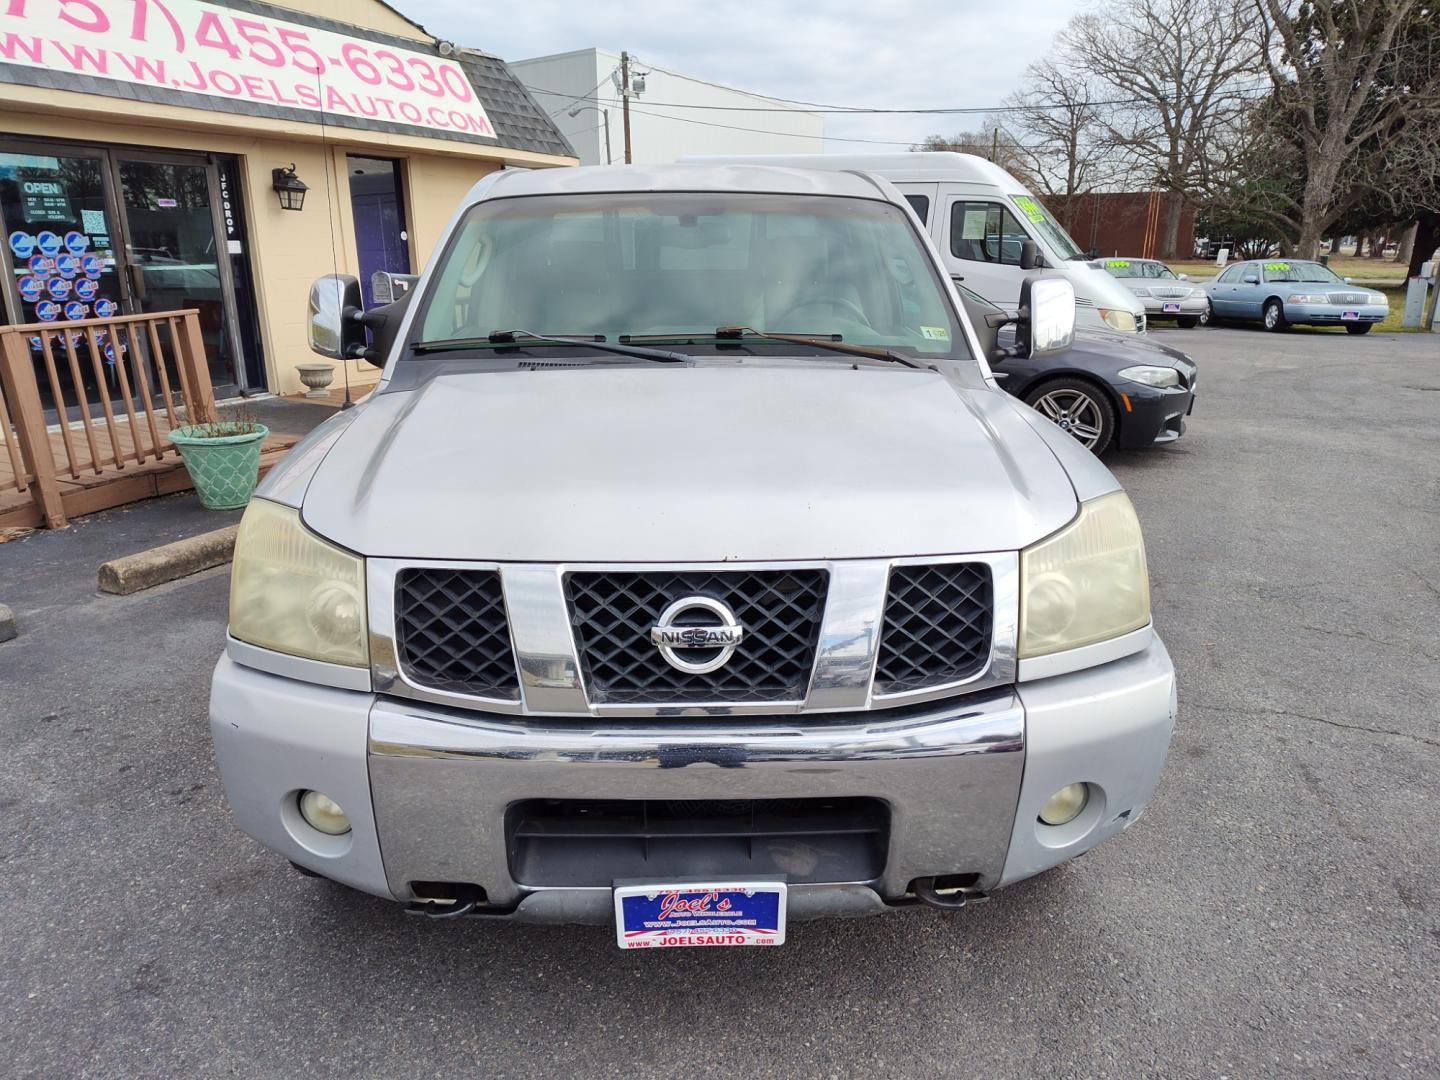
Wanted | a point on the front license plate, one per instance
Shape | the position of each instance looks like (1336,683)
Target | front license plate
(1170,309)
(711,913)
(1349,316)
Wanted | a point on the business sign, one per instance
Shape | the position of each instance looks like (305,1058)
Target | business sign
(199,48)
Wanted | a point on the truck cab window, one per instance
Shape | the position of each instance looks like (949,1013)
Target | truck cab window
(921,205)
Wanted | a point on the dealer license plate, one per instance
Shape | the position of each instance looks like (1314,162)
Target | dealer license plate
(1170,309)
(710,913)
(1349,316)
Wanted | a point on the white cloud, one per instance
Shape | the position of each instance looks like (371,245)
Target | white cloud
(873,53)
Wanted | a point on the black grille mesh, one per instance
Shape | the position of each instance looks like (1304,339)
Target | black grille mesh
(452,633)
(613,614)
(938,624)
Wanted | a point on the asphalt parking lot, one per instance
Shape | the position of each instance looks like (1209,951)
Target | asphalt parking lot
(1275,912)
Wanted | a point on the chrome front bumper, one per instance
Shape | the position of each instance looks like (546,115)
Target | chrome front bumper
(427,789)
(1190,305)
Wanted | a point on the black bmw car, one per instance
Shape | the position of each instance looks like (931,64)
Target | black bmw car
(1124,390)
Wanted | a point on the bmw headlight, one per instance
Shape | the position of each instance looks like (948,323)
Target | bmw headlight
(1152,376)
(1308,298)
(1124,321)
(1086,583)
(293,592)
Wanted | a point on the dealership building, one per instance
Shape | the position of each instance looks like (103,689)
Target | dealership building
(160,155)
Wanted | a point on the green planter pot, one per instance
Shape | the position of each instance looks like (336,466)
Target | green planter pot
(226,469)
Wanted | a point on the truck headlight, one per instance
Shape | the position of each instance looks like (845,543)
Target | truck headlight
(1085,583)
(1152,376)
(1124,321)
(293,592)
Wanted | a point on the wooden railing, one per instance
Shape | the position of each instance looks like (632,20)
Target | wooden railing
(121,421)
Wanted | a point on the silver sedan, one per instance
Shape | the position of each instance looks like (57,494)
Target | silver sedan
(1164,293)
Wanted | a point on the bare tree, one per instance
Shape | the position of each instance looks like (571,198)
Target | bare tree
(1061,132)
(1357,86)
(1175,72)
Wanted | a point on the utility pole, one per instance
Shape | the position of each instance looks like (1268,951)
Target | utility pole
(995,146)
(625,99)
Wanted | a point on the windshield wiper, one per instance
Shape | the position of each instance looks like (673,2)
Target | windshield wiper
(828,341)
(517,337)
(834,342)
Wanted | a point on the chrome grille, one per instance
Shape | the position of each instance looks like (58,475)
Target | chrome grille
(452,633)
(938,624)
(614,612)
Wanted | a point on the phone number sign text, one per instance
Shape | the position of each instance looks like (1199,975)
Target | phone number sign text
(200,48)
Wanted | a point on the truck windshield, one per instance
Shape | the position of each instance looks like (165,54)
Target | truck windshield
(648,265)
(1044,222)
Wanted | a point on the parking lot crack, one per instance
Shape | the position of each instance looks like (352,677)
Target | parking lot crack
(1317,719)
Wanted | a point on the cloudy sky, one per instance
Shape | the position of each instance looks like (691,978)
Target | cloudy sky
(872,53)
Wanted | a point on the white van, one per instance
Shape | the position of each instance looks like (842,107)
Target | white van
(979,216)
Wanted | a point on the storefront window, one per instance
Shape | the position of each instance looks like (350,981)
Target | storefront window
(61,254)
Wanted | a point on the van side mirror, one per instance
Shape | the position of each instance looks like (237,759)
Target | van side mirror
(1030,257)
(1047,316)
(335,327)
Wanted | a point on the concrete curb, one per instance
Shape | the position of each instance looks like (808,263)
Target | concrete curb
(147,569)
(8,629)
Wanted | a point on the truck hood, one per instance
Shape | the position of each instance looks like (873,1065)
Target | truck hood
(705,463)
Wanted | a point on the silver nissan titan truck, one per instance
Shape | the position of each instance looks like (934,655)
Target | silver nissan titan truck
(689,573)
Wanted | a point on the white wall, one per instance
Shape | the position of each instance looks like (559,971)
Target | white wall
(660,134)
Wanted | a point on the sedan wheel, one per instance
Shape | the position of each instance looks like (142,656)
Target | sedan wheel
(1275,316)
(1079,408)
(1208,315)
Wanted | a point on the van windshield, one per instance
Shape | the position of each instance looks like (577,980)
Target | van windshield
(1044,222)
(685,263)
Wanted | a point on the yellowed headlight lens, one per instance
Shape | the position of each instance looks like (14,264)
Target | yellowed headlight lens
(1087,582)
(293,592)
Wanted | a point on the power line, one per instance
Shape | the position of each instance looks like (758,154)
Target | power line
(878,111)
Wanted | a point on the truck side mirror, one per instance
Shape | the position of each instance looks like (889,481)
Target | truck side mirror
(1047,316)
(1030,258)
(336,330)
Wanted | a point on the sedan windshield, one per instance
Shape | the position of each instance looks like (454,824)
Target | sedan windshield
(1301,271)
(681,265)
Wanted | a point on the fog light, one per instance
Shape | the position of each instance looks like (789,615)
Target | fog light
(324,813)
(1064,806)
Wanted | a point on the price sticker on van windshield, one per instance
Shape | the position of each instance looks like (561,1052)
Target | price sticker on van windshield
(1029,207)
(935,333)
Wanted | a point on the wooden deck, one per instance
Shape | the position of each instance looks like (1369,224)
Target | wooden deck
(111,485)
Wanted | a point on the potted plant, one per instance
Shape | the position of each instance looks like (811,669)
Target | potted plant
(223,458)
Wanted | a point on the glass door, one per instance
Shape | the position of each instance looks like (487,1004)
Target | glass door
(175,255)
(62,256)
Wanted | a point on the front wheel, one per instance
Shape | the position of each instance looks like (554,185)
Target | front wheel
(1078,407)
(1358,327)
(1188,322)
(1275,316)
(1207,317)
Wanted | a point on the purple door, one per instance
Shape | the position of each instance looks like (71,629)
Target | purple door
(381,240)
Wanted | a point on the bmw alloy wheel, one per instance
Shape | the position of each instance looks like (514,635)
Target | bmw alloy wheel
(1076,412)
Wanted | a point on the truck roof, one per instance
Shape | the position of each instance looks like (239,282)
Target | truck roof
(770,179)
(931,166)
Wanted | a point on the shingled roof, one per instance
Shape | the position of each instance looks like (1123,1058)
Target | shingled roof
(517,118)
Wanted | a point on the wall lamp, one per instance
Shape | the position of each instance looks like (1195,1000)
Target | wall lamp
(289,187)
